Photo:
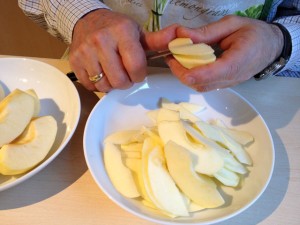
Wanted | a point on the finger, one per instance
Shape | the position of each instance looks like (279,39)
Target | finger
(103,85)
(156,41)
(111,62)
(213,32)
(133,58)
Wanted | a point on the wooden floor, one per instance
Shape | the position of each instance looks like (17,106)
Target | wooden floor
(21,36)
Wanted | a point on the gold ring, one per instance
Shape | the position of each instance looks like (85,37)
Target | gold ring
(96,78)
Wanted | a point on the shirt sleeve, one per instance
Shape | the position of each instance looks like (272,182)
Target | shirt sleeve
(292,24)
(59,17)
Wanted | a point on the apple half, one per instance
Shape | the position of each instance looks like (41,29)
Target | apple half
(16,111)
(30,148)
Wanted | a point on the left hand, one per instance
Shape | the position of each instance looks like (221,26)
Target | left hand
(248,46)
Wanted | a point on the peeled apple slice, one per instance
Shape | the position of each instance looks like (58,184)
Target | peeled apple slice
(200,189)
(30,148)
(190,62)
(16,111)
(200,49)
(163,187)
(191,55)
(120,176)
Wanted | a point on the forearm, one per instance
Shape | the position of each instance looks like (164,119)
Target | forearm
(58,17)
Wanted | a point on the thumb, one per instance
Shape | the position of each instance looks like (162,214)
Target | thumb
(158,41)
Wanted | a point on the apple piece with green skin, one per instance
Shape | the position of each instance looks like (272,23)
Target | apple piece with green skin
(30,148)
(120,176)
(16,111)
(199,188)
(163,187)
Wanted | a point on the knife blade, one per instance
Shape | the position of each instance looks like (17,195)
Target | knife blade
(71,75)
(158,55)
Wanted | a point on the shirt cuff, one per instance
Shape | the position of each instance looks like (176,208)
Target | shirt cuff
(71,11)
(294,30)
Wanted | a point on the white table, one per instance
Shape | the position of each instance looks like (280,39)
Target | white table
(65,193)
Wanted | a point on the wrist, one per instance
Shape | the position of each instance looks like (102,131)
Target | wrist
(283,53)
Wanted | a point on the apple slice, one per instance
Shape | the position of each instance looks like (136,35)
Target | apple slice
(16,111)
(30,148)
(179,42)
(163,187)
(121,137)
(199,188)
(120,176)
(190,62)
(199,49)
(208,160)
(37,104)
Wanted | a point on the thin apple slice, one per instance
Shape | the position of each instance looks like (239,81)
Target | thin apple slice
(208,160)
(30,148)
(179,42)
(132,147)
(167,115)
(190,62)
(192,50)
(120,176)
(16,111)
(163,187)
(199,188)
(222,137)
(121,137)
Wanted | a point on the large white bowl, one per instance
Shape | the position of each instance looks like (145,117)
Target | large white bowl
(124,110)
(58,97)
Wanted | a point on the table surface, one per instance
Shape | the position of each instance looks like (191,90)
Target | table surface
(65,192)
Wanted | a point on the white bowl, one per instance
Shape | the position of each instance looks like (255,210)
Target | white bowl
(126,109)
(58,97)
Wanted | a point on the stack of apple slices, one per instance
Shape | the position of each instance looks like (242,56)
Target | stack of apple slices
(191,55)
(172,166)
(25,137)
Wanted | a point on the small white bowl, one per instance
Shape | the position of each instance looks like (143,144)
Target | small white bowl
(126,109)
(58,97)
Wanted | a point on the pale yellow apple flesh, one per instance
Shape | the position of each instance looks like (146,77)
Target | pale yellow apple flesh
(191,55)
(30,148)
(120,176)
(200,189)
(37,104)
(16,110)
(190,62)
(163,187)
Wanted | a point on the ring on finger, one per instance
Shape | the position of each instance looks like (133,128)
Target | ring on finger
(96,78)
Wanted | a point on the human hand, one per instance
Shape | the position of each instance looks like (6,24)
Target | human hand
(112,43)
(107,42)
(248,47)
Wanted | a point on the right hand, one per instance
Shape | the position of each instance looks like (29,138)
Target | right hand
(108,42)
